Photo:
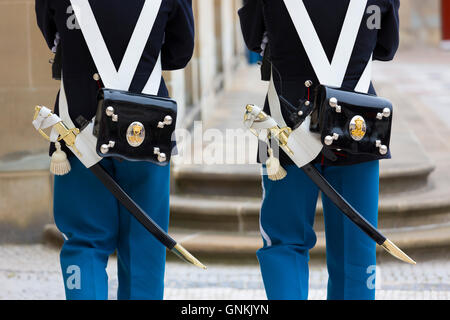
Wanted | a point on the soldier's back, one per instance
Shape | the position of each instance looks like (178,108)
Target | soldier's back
(378,35)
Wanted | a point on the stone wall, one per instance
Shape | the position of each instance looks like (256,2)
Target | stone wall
(420,23)
(25,183)
(25,77)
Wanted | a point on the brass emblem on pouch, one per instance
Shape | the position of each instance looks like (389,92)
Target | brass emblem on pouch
(357,128)
(135,134)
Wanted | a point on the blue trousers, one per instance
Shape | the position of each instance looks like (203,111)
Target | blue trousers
(95,225)
(287,218)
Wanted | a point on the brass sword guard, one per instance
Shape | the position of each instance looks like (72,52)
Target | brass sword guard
(68,135)
(261,116)
(280,134)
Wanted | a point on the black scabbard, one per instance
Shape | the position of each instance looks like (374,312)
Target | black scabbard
(343,205)
(131,206)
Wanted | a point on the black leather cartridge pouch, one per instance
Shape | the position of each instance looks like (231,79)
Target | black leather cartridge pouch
(135,127)
(354,122)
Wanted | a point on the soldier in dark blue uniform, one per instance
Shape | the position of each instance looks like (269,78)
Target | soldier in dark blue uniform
(93,222)
(288,237)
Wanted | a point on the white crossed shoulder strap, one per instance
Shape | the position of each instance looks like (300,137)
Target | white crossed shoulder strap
(113,79)
(305,145)
(331,74)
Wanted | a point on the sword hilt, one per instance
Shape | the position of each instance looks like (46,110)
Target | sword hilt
(256,114)
(37,110)
(68,135)
(282,136)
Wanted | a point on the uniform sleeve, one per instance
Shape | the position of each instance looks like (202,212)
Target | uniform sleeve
(252,24)
(178,44)
(45,21)
(388,35)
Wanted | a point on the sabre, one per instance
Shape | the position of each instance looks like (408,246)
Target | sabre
(256,120)
(44,118)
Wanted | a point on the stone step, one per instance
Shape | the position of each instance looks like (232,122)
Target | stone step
(227,245)
(237,245)
(25,197)
(408,170)
(242,214)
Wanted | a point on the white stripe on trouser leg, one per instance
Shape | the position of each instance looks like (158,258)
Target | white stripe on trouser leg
(263,233)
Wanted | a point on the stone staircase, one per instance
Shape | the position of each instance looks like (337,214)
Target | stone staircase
(216,209)
(25,197)
(228,197)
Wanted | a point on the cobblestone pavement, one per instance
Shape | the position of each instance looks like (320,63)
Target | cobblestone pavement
(32,272)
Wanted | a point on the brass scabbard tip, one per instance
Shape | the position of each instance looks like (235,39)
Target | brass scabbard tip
(390,247)
(187,256)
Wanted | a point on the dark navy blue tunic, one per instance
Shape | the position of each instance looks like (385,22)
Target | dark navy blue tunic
(172,35)
(289,57)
